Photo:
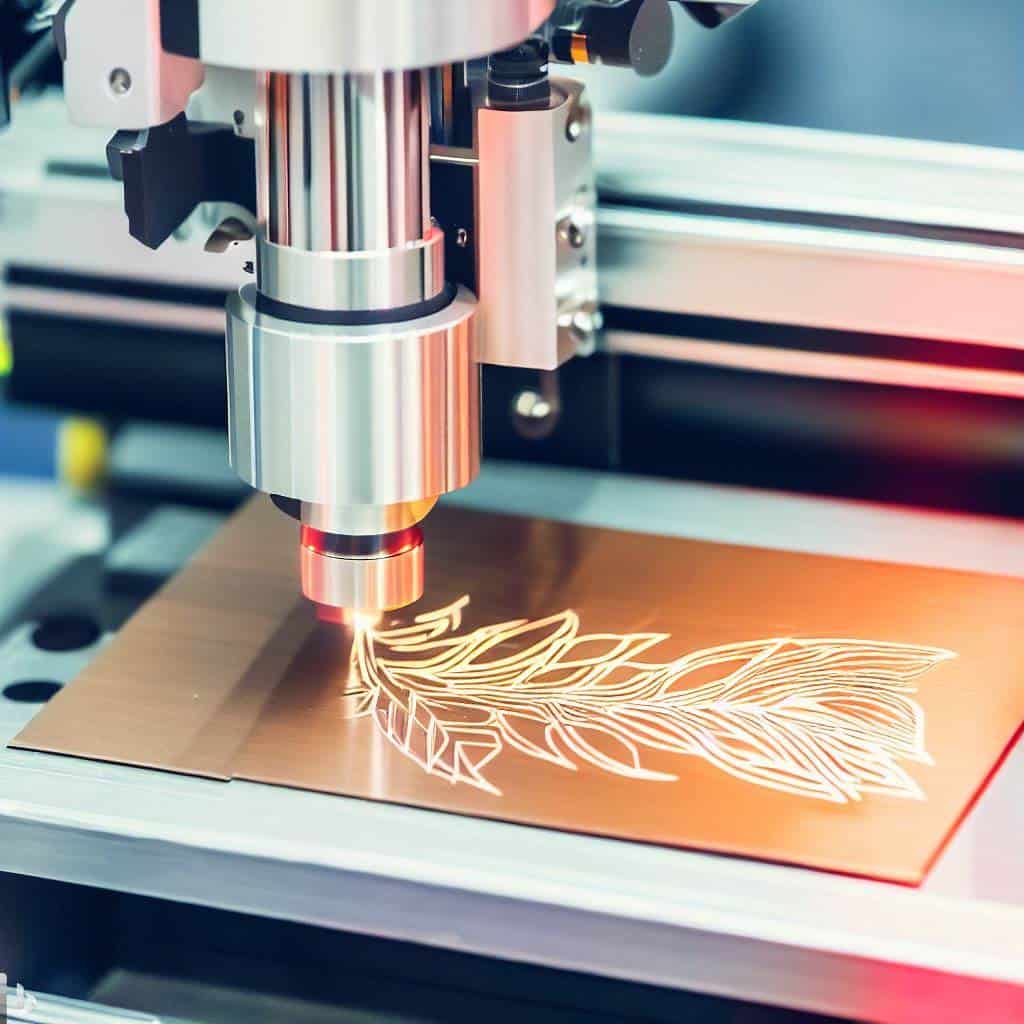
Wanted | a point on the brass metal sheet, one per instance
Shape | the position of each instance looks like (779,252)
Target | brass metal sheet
(843,715)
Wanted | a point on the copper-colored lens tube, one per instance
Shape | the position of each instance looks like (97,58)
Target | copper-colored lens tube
(362,574)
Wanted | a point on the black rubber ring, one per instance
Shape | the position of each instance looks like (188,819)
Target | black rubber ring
(355,317)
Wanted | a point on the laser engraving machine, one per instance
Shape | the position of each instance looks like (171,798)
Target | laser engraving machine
(422,195)
(431,245)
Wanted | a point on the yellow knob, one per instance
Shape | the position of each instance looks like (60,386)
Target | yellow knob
(82,453)
(6,354)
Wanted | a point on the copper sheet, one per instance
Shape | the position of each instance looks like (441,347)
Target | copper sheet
(226,674)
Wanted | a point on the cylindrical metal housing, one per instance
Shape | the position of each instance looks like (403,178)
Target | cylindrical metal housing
(353,280)
(353,376)
(379,582)
(349,416)
(344,161)
(359,35)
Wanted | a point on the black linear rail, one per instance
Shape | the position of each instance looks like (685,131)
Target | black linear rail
(116,370)
(815,339)
(116,287)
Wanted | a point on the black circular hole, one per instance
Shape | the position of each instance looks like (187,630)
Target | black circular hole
(31,691)
(66,633)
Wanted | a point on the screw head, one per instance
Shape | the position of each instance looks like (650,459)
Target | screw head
(531,405)
(573,232)
(587,321)
(575,227)
(120,82)
(579,120)
(534,415)
(583,325)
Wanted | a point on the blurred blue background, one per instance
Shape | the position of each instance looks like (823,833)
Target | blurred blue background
(27,437)
(28,443)
(929,69)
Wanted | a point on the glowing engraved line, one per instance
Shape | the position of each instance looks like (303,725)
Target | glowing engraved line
(820,718)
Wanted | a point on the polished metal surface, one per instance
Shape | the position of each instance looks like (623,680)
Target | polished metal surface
(115,77)
(950,285)
(783,225)
(113,309)
(388,279)
(52,220)
(361,35)
(39,1008)
(344,160)
(812,276)
(948,951)
(743,165)
(367,585)
(372,415)
(537,262)
(360,425)
(364,520)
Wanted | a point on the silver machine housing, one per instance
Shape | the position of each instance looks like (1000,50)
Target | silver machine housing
(354,360)
(352,366)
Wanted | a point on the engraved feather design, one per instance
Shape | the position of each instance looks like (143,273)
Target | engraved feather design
(823,718)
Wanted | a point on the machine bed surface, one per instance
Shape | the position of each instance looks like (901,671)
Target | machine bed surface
(758,931)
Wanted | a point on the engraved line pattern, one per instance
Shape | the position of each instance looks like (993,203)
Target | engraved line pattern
(822,718)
